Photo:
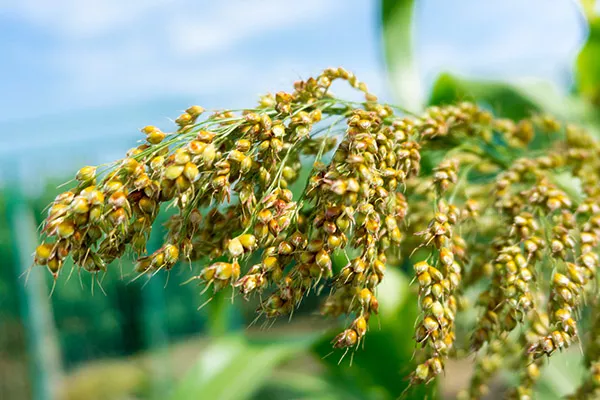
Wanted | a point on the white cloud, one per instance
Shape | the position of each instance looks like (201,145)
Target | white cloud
(219,28)
(116,51)
(108,51)
(81,18)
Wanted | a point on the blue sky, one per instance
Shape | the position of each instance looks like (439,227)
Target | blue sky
(79,77)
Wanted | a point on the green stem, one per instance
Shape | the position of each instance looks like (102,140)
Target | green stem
(36,307)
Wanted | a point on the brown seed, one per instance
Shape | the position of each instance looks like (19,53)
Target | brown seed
(171,254)
(190,171)
(155,137)
(184,119)
(348,338)
(54,265)
(334,241)
(430,324)
(42,253)
(172,172)
(315,245)
(196,147)
(195,111)
(149,129)
(248,241)
(424,279)
(66,229)
(323,260)
(285,248)
(80,205)
(360,326)
(223,270)
(235,247)
(209,154)
(206,136)
(86,174)
(270,263)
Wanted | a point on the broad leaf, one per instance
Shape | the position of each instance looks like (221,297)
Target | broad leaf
(504,99)
(588,64)
(301,385)
(234,368)
(397,29)
(559,377)
(587,7)
(512,100)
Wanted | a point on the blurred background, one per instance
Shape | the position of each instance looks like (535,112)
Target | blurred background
(79,78)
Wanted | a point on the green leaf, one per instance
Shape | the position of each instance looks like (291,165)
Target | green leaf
(222,314)
(587,7)
(392,294)
(561,376)
(512,100)
(509,101)
(588,64)
(397,31)
(301,385)
(234,368)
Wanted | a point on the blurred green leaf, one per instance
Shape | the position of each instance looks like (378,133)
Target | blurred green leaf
(397,27)
(222,313)
(235,368)
(42,342)
(560,377)
(392,294)
(511,100)
(379,368)
(570,184)
(587,7)
(300,385)
(588,64)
